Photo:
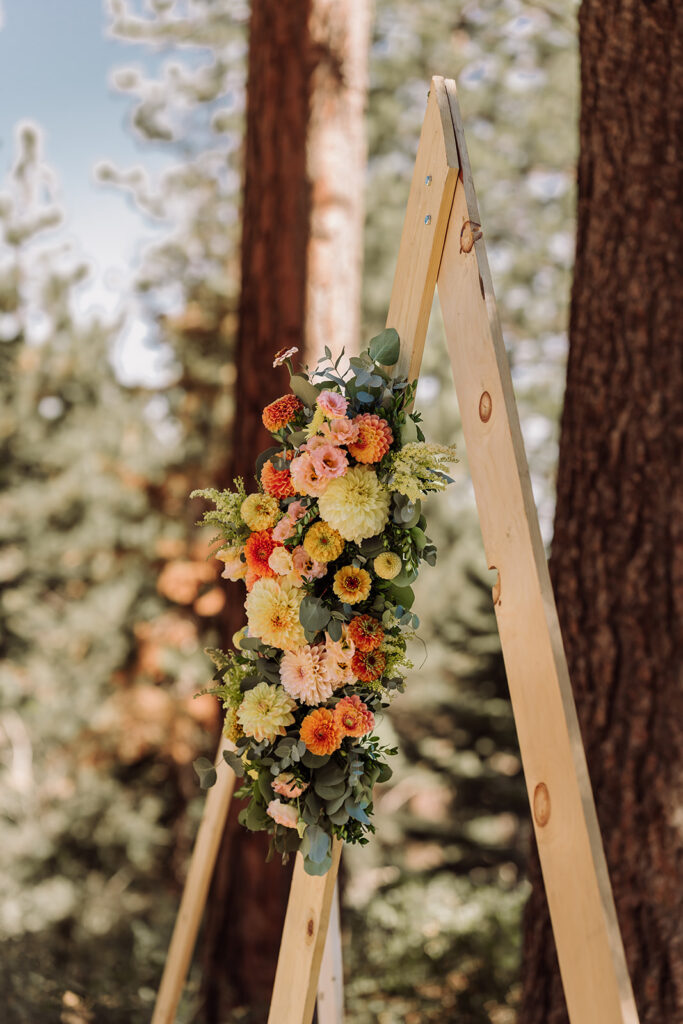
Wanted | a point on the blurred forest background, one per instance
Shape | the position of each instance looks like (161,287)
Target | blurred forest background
(107,599)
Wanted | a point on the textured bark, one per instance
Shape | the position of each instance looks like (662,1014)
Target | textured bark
(304,58)
(617,554)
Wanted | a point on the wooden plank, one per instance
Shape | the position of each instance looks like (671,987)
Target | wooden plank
(592,963)
(331,983)
(195,892)
(303,939)
(424,229)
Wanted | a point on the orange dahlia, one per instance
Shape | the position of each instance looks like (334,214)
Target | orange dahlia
(374,438)
(366,633)
(368,665)
(281,412)
(321,732)
(353,717)
(258,550)
(278,482)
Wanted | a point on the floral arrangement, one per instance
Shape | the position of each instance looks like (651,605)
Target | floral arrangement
(328,548)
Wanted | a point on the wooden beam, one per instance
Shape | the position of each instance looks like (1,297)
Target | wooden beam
(424,230)
(195,892)
(590,951)
(331,983)
(303,939)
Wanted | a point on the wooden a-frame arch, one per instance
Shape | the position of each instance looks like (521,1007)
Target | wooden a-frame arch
(442,245)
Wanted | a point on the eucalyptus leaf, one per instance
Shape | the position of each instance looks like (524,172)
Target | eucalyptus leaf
(304,390)
(313,614)
(206,772)
(235,762)
(335,630)
(263,458)
(318,842)
(385,347)
(356,811)
(312,868)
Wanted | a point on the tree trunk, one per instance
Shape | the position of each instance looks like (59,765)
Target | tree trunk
(305,92)
(617,555)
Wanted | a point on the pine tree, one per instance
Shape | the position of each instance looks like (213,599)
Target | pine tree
(616,551)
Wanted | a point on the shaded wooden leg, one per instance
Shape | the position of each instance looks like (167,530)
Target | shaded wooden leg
(331,981)
(195,892)
(303,940)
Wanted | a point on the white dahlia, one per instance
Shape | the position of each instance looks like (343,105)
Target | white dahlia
(302,673)
(273,614)
(356,504)
(265,712)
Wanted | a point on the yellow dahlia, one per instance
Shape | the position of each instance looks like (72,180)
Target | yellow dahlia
(265,712)
(374,438)
(323,543)
(352,585)
(356,504)
(260,511)
(387,565)
(273,614)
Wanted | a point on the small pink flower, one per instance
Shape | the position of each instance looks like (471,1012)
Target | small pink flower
(283,814)
(329,462)
(332,404)
(305,476)
(340,430)
(286,785)
(306,566)
(283,530)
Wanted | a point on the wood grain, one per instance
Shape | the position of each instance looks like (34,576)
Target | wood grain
(592,963)
(195,891)
(303,940)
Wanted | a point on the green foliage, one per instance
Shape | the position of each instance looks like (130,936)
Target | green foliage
(226,515)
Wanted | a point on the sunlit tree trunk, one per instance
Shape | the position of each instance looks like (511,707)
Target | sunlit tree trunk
(617,555)
(302,228)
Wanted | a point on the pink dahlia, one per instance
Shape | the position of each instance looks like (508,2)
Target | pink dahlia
(302,674)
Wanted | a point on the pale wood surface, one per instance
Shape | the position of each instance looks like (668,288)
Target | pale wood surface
(195,891)
(590,951)
(331,982)
(303,939)
(419,254)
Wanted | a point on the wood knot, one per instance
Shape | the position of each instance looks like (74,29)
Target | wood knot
(541,805)
(471,232)
(485,407)
(310,927)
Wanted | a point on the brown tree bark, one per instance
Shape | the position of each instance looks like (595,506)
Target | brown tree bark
(305,58)
(617,553)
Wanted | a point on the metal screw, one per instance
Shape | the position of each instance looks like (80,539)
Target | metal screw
(428,219)
(428,179)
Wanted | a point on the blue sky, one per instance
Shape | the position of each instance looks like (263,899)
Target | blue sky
(55,66)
